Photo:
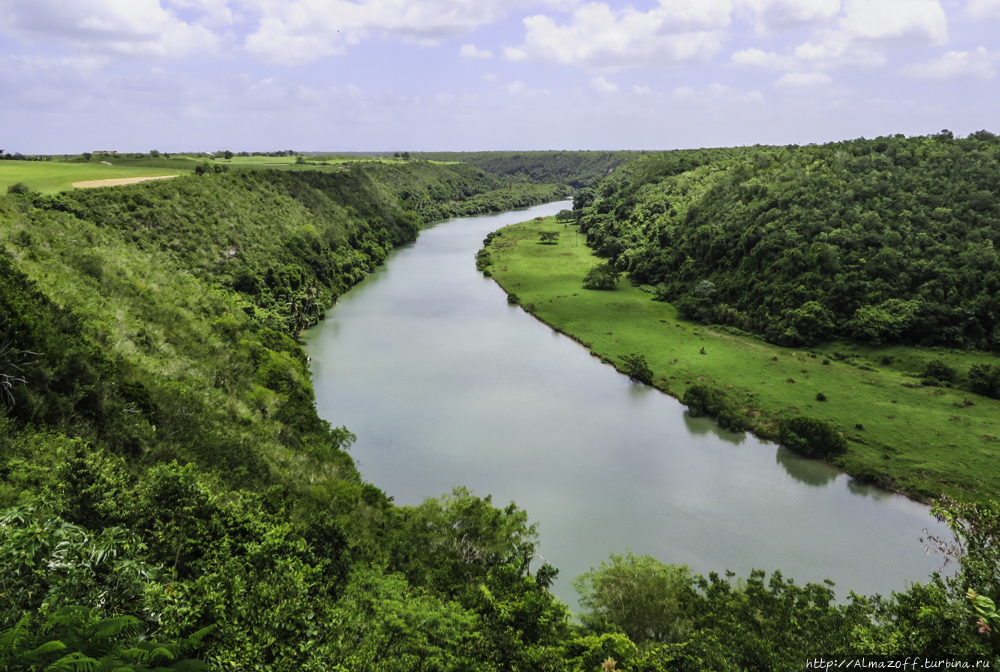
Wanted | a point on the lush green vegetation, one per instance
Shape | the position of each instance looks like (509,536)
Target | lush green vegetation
(167,491)
(578,169)
(905,431)
(880,241)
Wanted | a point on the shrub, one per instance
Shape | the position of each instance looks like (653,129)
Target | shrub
(938,370)
(704,400)
(820,396)
(512,299)
(985,380)
(18,188)
(603,276)
(811,437)
(637,368)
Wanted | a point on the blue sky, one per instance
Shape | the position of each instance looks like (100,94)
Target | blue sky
(314,75)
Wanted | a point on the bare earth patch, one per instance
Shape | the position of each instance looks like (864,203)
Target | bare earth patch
(88,184)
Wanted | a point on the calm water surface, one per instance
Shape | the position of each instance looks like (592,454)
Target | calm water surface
(446,385)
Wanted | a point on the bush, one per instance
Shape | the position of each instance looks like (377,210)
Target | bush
(811,437)
(704,400)
(603,276)
(820,396)
(18,188)
(513,299)
(985,380)
(637,368)
(938,370)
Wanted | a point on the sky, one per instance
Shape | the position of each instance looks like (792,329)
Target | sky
(424,75)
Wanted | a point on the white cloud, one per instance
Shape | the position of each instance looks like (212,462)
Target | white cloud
(298,31)
(130,28)
(642,90)
(470,51)
(858,37)
(716,93)
(600,38)
(985,9)
(489,77)
(763,60)
(515,87)
(792,80)
(604,86)
(954,65)
(214,12)
(896,22)
(772,15)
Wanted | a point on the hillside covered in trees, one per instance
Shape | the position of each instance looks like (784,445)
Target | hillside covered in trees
(890,240)
(575,168)
(170,499)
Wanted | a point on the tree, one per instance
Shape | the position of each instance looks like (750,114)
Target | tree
(549,237)
(637,368)
(985,380)
(406,156)
(300,160)
(811,437)
(639,594)
(155,153)
(227,155)
(19,188)
(886,321)
(603,276)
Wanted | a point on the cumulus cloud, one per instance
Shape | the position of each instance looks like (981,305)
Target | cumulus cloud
(470,51)
(129,28)
(795,80)
(896,22)
(985,9)
(764,60)
(604,86)
(598,37)
(773,15)
(642,90)
(857,36)
(954,65)
(298,31)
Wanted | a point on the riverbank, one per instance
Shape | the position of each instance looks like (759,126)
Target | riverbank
(920,441)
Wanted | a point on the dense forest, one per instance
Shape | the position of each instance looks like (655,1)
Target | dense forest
(169,498)
(890,240)
(577,169)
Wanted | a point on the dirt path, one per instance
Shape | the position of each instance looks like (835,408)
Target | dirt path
(115,182)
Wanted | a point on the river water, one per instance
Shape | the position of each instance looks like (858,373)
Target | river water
(444,384)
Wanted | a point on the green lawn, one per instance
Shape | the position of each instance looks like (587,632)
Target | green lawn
(921,440)
(50,177)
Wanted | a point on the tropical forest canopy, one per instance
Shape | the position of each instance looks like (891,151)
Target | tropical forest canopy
(168,494)
(891,240)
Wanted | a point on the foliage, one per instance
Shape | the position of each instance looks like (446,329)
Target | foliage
(549,237)
(940,371)
(984,379)
(637,369)
(576,169)
(811,437)
(602,276)
(77,638)
(645,598)
(893,237)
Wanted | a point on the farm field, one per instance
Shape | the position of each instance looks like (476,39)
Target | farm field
(50,177)
(924,441)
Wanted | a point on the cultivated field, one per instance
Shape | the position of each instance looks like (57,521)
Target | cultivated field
(50,177)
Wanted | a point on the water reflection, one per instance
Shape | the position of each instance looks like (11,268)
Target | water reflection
(867,490)
(446,384)
(701,426)
(804,470)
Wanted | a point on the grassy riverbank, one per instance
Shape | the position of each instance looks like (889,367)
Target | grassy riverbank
(924,441)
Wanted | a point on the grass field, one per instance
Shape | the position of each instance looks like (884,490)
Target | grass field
(50,177)
(924,441)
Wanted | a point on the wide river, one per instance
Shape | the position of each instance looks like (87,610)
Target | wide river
(446,385)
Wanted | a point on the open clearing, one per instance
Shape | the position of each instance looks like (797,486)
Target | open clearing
(90,184)
(51,177)
(922,440)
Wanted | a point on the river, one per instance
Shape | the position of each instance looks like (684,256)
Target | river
(444,384)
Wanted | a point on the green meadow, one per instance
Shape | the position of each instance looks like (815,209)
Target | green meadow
(923,441)
(50,177)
